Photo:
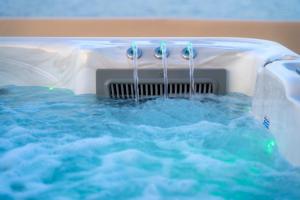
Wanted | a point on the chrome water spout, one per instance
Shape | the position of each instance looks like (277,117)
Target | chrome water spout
(190,53)
(131,51)
(158,51)
(134,53)
(162,53)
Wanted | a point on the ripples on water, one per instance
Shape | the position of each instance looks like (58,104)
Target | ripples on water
(204,9)
(54,144)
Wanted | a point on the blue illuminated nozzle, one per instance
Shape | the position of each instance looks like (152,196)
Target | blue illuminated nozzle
(134,46)
(163,47)
(190,47)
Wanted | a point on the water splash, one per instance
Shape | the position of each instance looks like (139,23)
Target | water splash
(192,68)
(163,49)
(135,70)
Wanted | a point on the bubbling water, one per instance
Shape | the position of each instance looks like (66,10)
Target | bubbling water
(56,145)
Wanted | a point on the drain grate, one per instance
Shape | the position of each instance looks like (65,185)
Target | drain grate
(118,83)
(126,90)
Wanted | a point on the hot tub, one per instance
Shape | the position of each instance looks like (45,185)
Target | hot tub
(264,73)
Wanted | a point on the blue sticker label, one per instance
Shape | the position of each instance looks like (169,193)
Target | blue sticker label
(266,122)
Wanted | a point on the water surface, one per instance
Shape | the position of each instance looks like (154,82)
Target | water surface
(56,145)
(200,9)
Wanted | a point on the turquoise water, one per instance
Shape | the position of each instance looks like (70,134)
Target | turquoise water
(56,145)
(204,9)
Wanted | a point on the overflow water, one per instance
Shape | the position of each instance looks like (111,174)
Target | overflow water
(191,67)
(135,70)
(163,49)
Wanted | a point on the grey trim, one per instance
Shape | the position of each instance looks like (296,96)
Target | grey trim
(118,83)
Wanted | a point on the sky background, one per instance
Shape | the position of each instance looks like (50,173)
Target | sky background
(203,9)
